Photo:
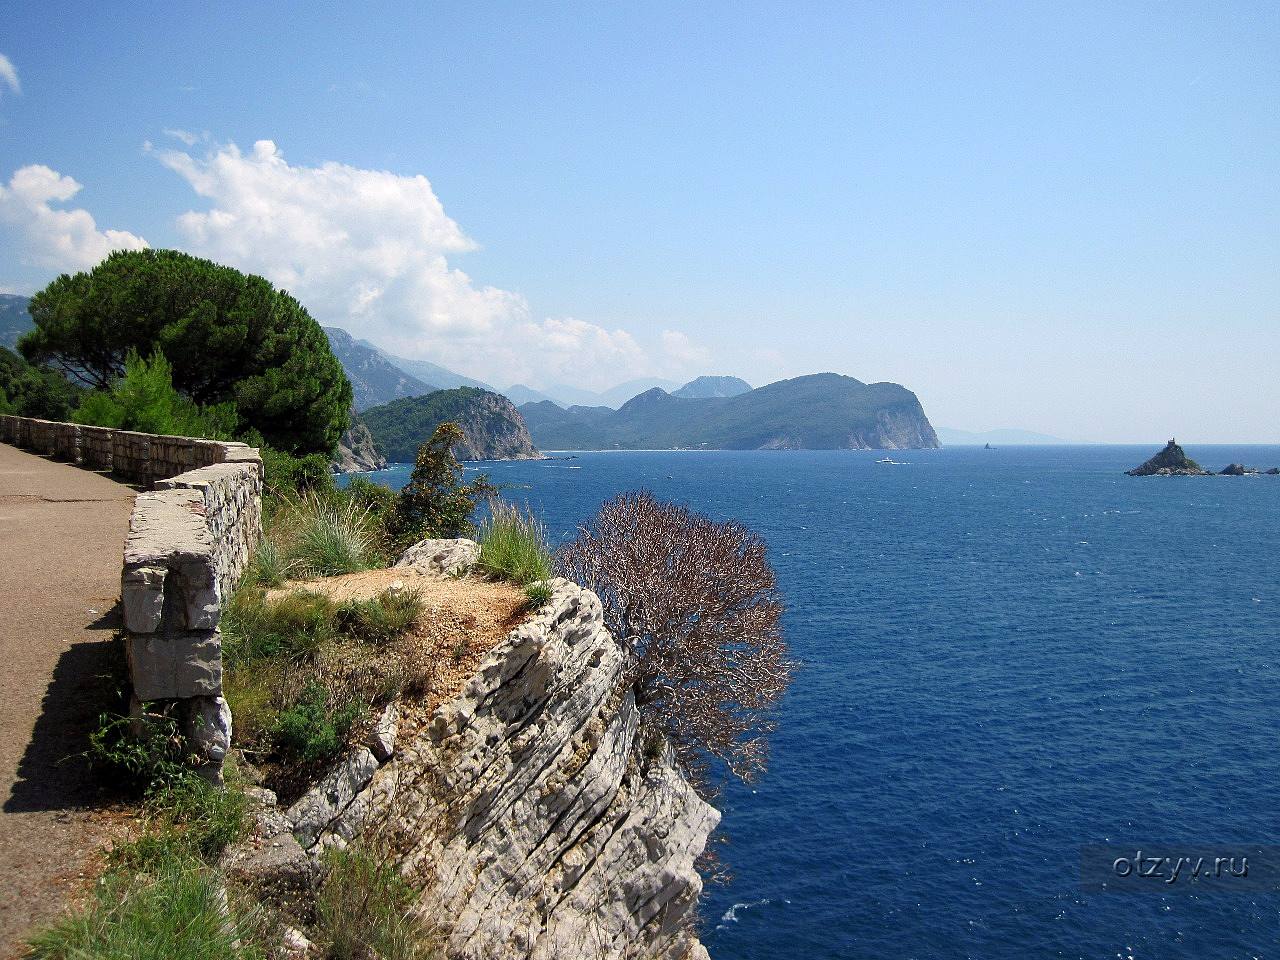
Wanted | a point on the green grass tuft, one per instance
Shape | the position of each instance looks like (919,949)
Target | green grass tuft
(332,536)
(175,914)
(363,910)
(513,545)
(381,618)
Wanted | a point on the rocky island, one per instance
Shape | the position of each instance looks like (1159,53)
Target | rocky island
(1173,461)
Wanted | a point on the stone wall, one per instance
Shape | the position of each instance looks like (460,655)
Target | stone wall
(188,545)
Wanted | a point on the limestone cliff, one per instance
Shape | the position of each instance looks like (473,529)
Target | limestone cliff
(357,451)
(524,810)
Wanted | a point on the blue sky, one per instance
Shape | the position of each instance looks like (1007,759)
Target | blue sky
(1063,217)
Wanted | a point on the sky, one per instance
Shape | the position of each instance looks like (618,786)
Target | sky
(1057,217)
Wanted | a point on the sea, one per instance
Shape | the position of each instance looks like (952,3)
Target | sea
(1008,657)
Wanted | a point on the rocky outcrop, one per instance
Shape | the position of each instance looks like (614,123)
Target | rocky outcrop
(1237,470)
(526,813)
(1172,461)
(441,557)
(357,452)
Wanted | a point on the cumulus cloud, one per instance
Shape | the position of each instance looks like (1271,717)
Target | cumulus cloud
(683,351)
(51,237)
(370,251)
(9,74)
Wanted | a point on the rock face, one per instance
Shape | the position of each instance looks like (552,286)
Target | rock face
(493,428)
(374,378)
(535,826)
(356,450)
(1237,470)
(1172,461)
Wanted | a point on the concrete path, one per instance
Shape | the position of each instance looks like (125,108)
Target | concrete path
(62,533)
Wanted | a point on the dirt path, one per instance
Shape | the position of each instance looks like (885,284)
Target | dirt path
(62,532)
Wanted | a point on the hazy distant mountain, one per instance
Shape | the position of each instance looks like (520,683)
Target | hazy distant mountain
(704,387)
(429,372)
(374,379)
(566,395)
(822,411)
(14,319)
(967,438)
(519,394)
(493,427)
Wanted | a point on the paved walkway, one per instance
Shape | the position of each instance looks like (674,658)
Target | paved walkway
(62,533)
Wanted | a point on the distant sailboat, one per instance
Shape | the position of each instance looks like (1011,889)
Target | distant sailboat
(988,447)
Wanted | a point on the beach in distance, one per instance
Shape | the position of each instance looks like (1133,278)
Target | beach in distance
(1006,655)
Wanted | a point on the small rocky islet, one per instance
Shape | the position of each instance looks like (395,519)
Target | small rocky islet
(1173,461)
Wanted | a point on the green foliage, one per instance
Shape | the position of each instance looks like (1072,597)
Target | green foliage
(398,427)
(382,618)
(435,502)
(230,337)
(363,910)
(286,475)
(141,754)
(377,498)
(186,819)
(31,391)
(294,627)
(175,912)
(513,545)
(312,729)
(144,399)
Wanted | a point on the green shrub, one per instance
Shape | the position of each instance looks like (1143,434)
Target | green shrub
(363,910)
(32,391)
(381,618)
(332,536)
(142,754)
(293,626)
(285,475)
(144,399)
(312,730)
(435,502)
(513,545)
(175,913)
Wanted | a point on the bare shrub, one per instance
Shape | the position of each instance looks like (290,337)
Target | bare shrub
(696,606)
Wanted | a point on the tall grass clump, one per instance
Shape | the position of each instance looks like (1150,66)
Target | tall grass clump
(268,567)
(513,545)
(176,913)
(363,910)
(332,536)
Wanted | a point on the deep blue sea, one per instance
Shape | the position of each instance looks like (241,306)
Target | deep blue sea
(1006,654)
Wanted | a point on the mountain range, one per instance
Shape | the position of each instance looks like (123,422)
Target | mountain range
(822,411)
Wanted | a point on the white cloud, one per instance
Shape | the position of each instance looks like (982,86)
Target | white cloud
(683,351)
(369,250)
(185,136)
(9,74)
(53,238)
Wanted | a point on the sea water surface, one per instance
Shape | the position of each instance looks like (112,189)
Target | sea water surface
(1006,654)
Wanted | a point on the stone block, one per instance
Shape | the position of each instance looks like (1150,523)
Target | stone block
(187,664)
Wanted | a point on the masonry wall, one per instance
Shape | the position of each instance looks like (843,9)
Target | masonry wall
(189,541)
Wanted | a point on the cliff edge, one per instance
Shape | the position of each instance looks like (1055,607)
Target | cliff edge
(524,809)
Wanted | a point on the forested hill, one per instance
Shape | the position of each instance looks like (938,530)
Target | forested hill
(823,411)
(493,427)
